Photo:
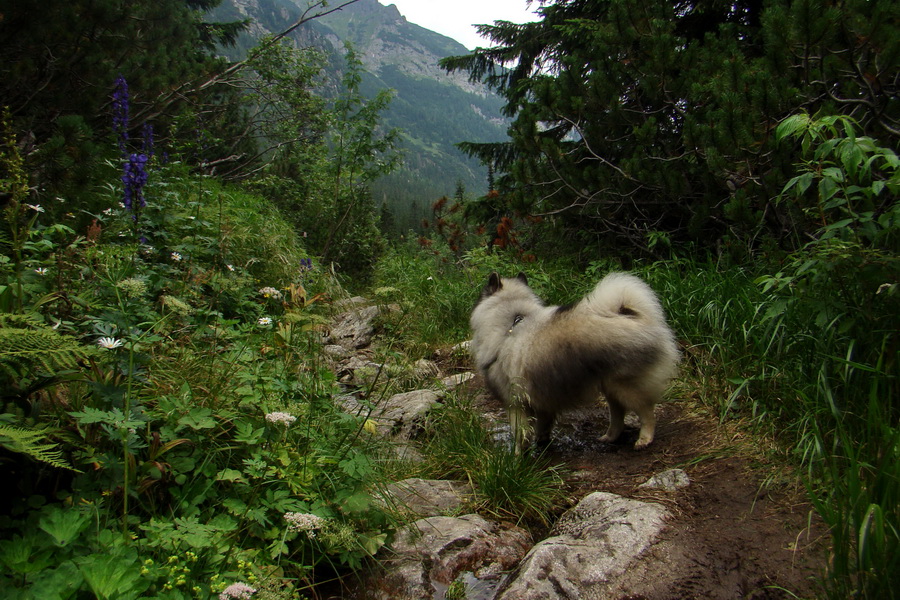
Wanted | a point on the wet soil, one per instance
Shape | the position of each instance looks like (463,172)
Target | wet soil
(742,529)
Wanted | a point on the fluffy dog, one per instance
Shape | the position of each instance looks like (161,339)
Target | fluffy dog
(541,360)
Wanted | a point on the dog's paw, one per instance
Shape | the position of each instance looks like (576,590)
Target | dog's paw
(607,439)
(641,444)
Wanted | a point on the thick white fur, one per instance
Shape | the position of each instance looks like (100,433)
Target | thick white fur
(541,360)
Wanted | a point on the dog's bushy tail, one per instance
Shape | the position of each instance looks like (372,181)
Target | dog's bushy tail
(625,295)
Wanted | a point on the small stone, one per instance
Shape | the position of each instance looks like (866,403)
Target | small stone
(456,380)
(668,481)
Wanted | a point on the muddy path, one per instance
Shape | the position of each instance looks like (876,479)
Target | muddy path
(741,529)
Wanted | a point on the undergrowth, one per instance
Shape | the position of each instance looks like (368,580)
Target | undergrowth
(782,358)
(168,424)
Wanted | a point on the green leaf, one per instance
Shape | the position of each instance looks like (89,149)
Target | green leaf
(827,188)
(63,525)
(33,443)
(113,576)
(229,475)
(372,543)
(246,434)
(60,583)
(356,503)
(19,555)
(833,173)
(198,419)
(792,126)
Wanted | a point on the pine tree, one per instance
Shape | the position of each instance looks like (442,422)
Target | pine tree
(637,118)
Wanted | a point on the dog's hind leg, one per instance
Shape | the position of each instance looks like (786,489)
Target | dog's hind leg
(543,426)
(648,425)
(641,401)
(616,419)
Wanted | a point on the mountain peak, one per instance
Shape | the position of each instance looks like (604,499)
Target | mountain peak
(394,12)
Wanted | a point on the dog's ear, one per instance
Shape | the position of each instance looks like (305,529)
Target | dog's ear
(521,277)
(494,284)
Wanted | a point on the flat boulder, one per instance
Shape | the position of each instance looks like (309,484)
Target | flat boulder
(428,497)
(431,553)
(353,329)
(591,546)
(400,417)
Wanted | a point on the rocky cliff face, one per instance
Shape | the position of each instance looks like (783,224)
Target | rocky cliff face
(436,110)
(384,38)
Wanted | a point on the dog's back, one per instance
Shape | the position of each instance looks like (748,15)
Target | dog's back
(617,333)
(615,341)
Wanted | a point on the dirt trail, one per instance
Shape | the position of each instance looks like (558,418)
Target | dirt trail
(736,532)
(731,536)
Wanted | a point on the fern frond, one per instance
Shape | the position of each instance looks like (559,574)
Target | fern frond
(26,350)
(33,443)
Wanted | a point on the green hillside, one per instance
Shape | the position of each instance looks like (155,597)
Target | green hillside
(433,110)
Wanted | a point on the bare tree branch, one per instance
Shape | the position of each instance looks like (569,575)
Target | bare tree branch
(186,89)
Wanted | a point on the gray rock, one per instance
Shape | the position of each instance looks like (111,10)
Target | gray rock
(429,497)
(359,371)
(406,451)
(590,546)
(432,552)
(462,347)
(351,302)
(458,379)
(402,416)
(335,351)
(354,329)
(668,481)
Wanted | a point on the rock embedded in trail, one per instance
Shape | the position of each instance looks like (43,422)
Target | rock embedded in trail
(589,548)
(353,329)
(667,481)
(431,553)
(429,497)
(401,417)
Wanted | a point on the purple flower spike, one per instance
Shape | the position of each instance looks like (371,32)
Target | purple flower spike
(135,178)
(120,112)
(147,146)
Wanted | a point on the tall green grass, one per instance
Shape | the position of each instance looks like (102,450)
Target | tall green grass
(791,357)
(524,487)
(824,380)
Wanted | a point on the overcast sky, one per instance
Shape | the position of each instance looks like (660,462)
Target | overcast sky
(455,18)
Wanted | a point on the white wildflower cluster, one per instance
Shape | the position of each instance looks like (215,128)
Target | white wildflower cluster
(282,418)
(133,287)
(176,256)
(264,321)
(177,306)
(270,292)
(307,522)
(237,591)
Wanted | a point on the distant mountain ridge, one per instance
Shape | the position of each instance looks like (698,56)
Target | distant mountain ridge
(434,109)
